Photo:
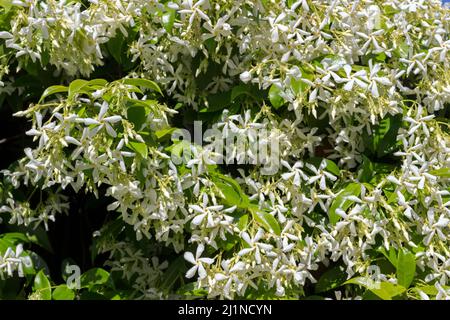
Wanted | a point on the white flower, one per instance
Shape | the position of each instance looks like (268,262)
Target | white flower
(374,79)
(245,76)
(5,35)
(255,245)
(433,227)
(320,174)
(101,121)
(359,77)
(295,172)
(13,260)
(198,262)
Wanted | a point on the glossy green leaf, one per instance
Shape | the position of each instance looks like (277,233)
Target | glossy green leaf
(391,255)
(4,245)
(165,132)
(174,272)
(75,88)
(115,47)
(217,102)
(246,90)
(92,277)
(383,138)
(139,147)
(95,84)
(442,172)
(406,268)
(36,235)
(275,97)
(331,279)
(53,90)
(168,19)
(62,292)
(300,87)
(137,115)
(231,190)
(242,222)
(6,4)
(15,237)
(42,286)
(190,289)
(384,290)
(367,170)
(352,189)
(266,220)
(143,83)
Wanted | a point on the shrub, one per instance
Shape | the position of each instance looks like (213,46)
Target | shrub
(324,171)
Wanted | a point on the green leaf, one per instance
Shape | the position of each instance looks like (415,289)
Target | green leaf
(38,262)
(36,235)
(229,243)
(406,268)
(383,138)
(7,4)
(275,98)
(62,292)
(174,272)
(95,84)
(53,90)
(381,57)
(115,47)
(391,255)
(331,279)
(248,90)
(75,87)
(384,290)
(242,222)
(190,289)
(42,286)
(144,83)
(39,236)
(5,21)
(92,277)
(168,19)
(442,172)
(402,50)
(162,133)
(181,150)
(15,237)
(231,190)
(137,115)
(389,139)
(300,87)
(352,189)
(389,10)
(266,220)
(430,290)
(4,245)
(139,147)
(218,101)
(367,170)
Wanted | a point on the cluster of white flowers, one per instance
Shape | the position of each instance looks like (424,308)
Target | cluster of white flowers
(21,213)
(338,66)
(14,260)
(65,35)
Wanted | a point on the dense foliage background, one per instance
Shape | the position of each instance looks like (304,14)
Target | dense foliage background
(356,94)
